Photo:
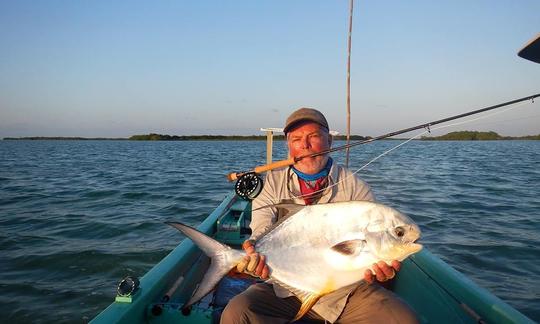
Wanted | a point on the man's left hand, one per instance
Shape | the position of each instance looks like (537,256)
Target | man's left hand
(253,263)
(382,271)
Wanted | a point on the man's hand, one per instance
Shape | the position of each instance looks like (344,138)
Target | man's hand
(253,264)
(382,271)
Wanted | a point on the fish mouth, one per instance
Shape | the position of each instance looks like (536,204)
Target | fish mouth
(407,250)
(414,247)
(403,251)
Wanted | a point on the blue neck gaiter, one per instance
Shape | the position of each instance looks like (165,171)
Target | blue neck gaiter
(312,177)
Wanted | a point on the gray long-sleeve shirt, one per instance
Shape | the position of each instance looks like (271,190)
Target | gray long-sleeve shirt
(282,184)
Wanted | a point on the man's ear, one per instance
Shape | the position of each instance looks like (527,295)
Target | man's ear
(329,140)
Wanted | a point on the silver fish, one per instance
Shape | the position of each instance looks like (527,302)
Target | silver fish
(318,249)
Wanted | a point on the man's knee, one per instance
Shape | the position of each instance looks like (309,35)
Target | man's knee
(374,304)
(401,312)
(395,310)
(236,310)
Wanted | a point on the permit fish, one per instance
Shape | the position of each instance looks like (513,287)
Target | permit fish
(318,249)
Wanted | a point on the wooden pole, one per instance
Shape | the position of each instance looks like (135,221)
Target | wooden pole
(269,144)
(349,84)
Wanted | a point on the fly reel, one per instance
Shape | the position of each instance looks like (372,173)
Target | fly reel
(248,186)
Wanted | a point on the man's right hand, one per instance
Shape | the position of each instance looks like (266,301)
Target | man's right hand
(253,263)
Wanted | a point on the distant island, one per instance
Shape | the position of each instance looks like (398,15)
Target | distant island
(159,137)
(162,137)
(477,136)
(454,136)
(62,138)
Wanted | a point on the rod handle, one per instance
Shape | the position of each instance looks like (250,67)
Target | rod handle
(263,168)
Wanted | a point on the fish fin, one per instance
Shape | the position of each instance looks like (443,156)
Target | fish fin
(223,259)
(350,247)
(301,294)
(307,298)
(289,207)
(307,304)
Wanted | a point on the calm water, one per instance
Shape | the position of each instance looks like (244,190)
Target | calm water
(77,216)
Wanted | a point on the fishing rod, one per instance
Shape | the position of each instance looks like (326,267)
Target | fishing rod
(249,184)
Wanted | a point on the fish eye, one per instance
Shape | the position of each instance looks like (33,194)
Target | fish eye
(400,231)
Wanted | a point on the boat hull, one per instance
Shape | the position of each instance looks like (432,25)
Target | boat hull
(437,292)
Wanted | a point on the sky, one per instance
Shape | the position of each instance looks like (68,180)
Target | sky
(119,68)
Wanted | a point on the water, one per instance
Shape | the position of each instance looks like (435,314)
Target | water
(77,216)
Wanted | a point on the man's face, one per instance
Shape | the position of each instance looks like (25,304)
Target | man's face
(308,138)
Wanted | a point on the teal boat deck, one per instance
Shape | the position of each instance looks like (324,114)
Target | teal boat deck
(437,292)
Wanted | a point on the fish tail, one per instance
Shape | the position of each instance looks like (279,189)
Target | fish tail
(223,259)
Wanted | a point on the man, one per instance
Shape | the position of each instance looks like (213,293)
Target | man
(311,180)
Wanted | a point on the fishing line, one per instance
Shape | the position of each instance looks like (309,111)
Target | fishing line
(508,120)
(428,130)
(293,160)
(482,117)
(361,168)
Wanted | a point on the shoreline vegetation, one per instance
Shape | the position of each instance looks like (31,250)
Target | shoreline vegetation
(477,136)
(453,136)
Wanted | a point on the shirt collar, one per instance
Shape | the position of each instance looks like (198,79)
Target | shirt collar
(328,193)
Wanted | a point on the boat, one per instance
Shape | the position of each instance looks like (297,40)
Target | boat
(437,292)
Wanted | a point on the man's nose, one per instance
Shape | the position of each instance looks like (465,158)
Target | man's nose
(305,143)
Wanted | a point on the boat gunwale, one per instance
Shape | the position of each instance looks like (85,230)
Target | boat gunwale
(155,281)
(477,302)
